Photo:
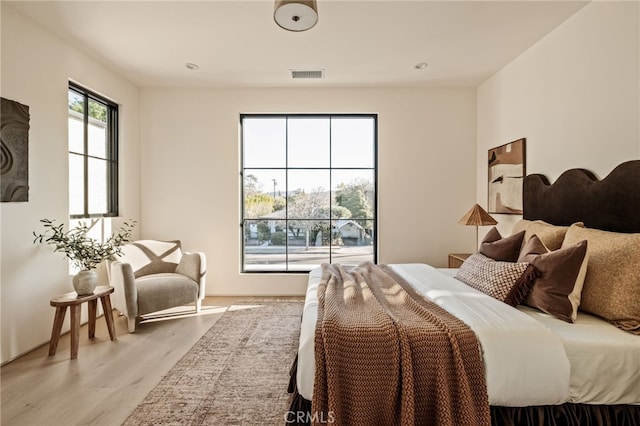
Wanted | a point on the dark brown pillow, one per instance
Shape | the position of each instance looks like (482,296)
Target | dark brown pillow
(558,288)
(501,249)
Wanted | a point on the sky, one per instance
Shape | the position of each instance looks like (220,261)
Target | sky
(271,144)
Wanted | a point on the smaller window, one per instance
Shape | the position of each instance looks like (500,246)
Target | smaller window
(93,154)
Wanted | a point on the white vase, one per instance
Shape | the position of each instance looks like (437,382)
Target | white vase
(85,282)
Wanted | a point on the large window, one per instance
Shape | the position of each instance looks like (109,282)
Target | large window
(93,154)
(309,191)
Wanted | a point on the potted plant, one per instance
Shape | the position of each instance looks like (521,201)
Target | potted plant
(84,252)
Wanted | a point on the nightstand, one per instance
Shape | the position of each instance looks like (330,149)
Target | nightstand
(456,259)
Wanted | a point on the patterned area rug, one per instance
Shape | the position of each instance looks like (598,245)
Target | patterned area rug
(236,374)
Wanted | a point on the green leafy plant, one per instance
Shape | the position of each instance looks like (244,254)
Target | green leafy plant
(84,252)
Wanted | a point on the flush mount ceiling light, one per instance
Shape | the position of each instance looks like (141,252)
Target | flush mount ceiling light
(421,66)
(296,15)
(192,66)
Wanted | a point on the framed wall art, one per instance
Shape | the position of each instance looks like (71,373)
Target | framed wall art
(14,151)
(507,169)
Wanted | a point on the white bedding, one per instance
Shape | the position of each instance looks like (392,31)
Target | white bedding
(530,358)
(605,361)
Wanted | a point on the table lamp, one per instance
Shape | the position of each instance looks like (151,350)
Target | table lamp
(477,216)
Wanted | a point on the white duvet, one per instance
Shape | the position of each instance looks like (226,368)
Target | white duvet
(525,362)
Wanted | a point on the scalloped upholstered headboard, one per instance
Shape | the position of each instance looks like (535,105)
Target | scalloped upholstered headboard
(611,204)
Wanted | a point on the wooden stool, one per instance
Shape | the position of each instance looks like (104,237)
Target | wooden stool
(74,302)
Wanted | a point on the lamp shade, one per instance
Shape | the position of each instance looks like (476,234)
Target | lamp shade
(477,216)
(296,15)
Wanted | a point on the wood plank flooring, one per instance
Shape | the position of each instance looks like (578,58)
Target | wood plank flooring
(109,379)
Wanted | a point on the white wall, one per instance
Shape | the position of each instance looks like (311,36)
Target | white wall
(575,96)
(191,184)
(36,68)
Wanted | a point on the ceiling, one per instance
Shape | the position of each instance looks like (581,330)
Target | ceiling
(357,43)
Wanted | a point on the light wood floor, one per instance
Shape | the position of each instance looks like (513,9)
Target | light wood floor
(109,379)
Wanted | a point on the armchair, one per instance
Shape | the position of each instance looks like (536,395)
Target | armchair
(152,275)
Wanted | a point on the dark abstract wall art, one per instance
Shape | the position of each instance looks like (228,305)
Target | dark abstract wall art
(507,168)
(14,151)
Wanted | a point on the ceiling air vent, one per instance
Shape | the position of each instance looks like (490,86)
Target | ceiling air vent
(307,73)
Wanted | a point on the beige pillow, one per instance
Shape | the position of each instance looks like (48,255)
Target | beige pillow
(550,235)
(612,284)
(561,276)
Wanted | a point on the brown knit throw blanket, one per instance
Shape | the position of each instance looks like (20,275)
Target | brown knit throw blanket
(387,356)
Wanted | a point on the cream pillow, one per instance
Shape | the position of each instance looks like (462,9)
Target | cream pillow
(612,285)
(550,235)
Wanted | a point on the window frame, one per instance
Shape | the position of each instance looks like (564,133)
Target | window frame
(373,116)
(112,132)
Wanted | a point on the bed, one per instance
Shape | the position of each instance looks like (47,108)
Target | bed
(538,367)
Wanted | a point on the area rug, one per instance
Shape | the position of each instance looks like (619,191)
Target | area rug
(236,374)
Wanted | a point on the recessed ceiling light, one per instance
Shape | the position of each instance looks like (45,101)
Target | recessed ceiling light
(191,66)
(420,66)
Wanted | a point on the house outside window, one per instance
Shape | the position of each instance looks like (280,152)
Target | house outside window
(93,154)
(308,191)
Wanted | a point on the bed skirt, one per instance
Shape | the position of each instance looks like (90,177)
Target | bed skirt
(568,414)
